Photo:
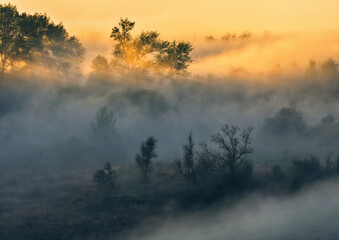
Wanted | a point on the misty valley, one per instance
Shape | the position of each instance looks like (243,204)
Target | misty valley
(143,147)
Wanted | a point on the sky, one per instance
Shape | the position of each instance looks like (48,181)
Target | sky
(189,17)
(302,29)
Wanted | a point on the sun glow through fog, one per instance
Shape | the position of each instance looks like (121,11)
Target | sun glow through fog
(301,29)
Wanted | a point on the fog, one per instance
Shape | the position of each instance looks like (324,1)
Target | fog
(240,143)
(311,214)
(43,118)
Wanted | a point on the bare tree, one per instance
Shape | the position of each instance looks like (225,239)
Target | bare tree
(232,150)
(105,179)
(186,166)
(144,158)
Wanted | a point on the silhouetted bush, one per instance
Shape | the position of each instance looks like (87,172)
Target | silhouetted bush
(304,171)
(105,179)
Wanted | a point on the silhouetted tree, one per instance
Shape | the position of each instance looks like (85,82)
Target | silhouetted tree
(33,30)
(64,53)
(144,158)
(311,68)
(329,119)
(226,37)
(288,121)
(9,36)
(245,35)
(175,56)
(105,122)
(105,179)
(147,50)
(209,38)
(186,166)
(232,150)
(131,51)
(304,171)
(34,39)
(100,64)
(329,67)
(229,36)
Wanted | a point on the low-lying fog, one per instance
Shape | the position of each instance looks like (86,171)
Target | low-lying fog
(45,120)
(311,214)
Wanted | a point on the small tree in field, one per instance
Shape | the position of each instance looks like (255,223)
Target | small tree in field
(105,179)
(186,166)
(232,148)
(144,158)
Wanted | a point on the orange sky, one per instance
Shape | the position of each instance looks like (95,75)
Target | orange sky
(308,28)
(189,17)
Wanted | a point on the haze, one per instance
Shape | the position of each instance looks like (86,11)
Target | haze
(170,120)
(190,17)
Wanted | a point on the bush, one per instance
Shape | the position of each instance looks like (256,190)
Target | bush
(305,171)
(105,179)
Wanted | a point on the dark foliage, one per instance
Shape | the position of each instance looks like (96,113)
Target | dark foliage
(229,157)
(144,158)
(105,179)
(27,39)
(186,166)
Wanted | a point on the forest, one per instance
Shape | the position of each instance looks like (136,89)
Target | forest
(140,147)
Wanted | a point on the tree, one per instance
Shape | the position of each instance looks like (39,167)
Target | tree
(33,30)
(147,50)
(144,158)
(245,35)
(329,67)
(186,166)
(286,122)
(34,39)
(229,36)
(61,51)
(132,52)
(209,38)
(100,64)
(175,56)
(9,36)
(311,68)
(105,179)
(232,150)
(105,122)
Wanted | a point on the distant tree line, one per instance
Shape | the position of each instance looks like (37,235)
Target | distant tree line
(289,124)
(245,35)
